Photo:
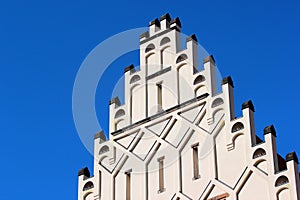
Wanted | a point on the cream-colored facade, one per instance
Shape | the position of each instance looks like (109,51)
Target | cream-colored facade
(176,138)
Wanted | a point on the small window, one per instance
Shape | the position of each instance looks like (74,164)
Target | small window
(88,185)
(217,102)
(103,149)
(199,79)
(161,174)
(281,181)
(258,153)
(149,48)
(128,185)
(237,127)
(181,58)
(159,97)
(120,113)
(135,78)
(195,160)
(100,182)
(165,40)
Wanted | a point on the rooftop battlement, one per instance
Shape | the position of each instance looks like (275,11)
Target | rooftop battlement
(159,26)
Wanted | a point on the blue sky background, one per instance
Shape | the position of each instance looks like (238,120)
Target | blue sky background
(43,43)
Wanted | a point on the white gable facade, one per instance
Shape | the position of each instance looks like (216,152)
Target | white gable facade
(176,138)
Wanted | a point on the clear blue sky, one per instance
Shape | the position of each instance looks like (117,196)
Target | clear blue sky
(43,43)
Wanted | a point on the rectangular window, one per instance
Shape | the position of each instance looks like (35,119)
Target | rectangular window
(195,160)
(161,174)
(128,184)
(162,58)
(159,97)
(100,177)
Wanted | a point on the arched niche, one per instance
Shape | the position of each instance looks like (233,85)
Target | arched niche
(137,103)
(151,64)
(184,85)
(217,102)
(120,113)
(103,149)
(150,47)
(88,185)
(135,78)
(237,127)
(164,41)
(181,58)
(166,56)
(281,181)
(199,79)
(258,153)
